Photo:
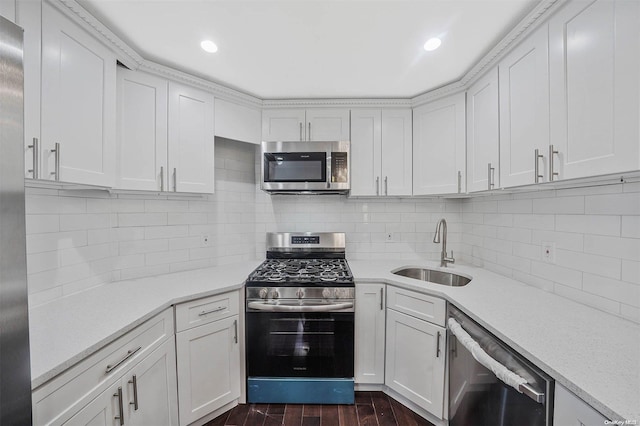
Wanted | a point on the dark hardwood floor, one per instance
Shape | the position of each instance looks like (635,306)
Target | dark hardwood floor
(370,409)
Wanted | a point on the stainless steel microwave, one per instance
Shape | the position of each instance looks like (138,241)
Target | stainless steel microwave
(305,167)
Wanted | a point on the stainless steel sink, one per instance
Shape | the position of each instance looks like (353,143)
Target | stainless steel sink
(433,276)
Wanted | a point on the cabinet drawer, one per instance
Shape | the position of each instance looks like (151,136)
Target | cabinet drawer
(417,305)
(203,311)
(57,400)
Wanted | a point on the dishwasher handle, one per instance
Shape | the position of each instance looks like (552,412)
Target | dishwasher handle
(503,373)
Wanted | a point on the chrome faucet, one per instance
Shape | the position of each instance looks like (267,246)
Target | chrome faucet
(436,239)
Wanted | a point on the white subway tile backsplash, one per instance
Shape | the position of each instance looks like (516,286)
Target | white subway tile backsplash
(599,265)
(588,299)
(534,221)
(623,248)
(589,224)
(631,271)
(612,289)
(630,227)
(555,273)
(141,219)
(563,240)
(142,246)
(613,204)
(84,254)
(154,232)
(37,243)
(166,257)
(73,222)
(55,205)
(38,262)
(42,223)
(515,206)
(559,205)
(630,312)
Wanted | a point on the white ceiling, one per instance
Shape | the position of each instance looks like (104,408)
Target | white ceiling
(315,49)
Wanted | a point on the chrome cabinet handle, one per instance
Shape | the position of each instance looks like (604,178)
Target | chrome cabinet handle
(269,307)
(36,154)
(56,172)
(386,186)
(128,355)
(309,135)
(175,180)
(218,309)
(301,131)
(235,331)
(552,174)
(377,185)
(438,345)
(162,178)
(490,176)
(134,382)
(120,415)
(382,299)
(459,181)
(536,165)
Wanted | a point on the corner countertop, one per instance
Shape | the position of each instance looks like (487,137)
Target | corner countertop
(592,353)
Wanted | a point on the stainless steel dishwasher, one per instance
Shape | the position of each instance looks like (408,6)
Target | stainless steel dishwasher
(480,366)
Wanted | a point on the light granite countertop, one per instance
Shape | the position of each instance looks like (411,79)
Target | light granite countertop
(593,354)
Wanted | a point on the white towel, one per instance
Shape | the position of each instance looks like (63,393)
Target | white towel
(509,377)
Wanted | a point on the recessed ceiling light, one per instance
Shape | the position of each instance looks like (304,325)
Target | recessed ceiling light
(209,46)
(432,44)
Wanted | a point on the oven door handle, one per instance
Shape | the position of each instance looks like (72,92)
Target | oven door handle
(270,307)
(503,373)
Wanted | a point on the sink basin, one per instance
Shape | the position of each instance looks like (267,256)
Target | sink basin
(433,276)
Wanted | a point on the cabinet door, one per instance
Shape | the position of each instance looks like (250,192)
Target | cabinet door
(369,333)
(191,140)
(396,176)
(483,134)
(415,360)
(238,122)
(283,125)
(366,150)
(439,146)
(152,384)
(142,131)
(524,110)
(327,124)
(208,368)
(594,87)
(78,102)
(104,410)
(568,409)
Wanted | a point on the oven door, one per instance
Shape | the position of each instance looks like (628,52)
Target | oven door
(300,344)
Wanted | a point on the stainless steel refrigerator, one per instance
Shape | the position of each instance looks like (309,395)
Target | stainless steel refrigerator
(15,372)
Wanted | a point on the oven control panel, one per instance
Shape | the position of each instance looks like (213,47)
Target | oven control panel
(300,293)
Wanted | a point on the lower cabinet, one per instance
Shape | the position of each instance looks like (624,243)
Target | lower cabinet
(208,358)
(369,333)
(415,360)
(568,409)
(145,395)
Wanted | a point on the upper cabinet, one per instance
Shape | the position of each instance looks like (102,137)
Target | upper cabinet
(313,124)
(165,135)
(239,122)
(381,152)
(524,111)
(483,134)
(594,82)
(78,104)
(439,146)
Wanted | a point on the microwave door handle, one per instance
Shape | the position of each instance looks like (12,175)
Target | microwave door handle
(270,307)
(501,372)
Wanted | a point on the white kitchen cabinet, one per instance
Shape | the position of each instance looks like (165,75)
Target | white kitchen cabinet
(568,409)
(83,394)
(142,131)
(594,68)
(8,9)
(524,111)
(416,360)
(439,136)
(313,124)
(191,140)
(381,152)
(78,103)
(483,134)
(238,122)
(165,135)
(208,355)
(369,333)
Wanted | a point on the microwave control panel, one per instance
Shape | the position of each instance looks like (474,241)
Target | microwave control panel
(339,167)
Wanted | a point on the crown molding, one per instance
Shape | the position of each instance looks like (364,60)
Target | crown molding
(337,102)
(133,60)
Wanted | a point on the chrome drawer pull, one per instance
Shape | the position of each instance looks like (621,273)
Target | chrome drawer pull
(552,174)
(120,406)
(56,172)
(36,153)
(536,165)
(134,382)
(218,309)
(235,331)
(129,354)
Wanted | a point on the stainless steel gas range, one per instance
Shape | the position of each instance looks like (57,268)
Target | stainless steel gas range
(300,322)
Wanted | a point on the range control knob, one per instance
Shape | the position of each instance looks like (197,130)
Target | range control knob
(340,294)
(275,294)
(300,293)
(326,293)
(263,293)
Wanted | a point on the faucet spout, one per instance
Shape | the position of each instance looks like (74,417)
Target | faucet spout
(441,229)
